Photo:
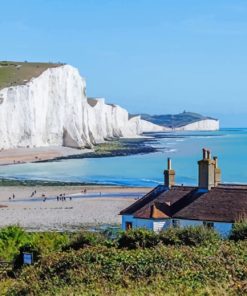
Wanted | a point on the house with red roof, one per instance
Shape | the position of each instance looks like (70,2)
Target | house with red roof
(211,203)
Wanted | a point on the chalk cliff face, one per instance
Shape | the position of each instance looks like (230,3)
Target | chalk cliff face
(202,125)
(148,126)
(52,109)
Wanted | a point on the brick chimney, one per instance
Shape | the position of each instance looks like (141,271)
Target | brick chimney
(206,171)
(169,175)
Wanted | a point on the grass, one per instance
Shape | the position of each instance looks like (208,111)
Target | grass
(108,147)
(18,73)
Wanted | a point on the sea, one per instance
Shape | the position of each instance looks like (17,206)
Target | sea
(184,149)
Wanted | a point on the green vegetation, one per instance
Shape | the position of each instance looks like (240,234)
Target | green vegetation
(192,261)
(175,120)
(18,73)
(239,231)
(108,147)
(189,236)
(12,238)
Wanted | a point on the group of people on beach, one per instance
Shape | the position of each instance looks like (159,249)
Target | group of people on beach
(62,197)
(13,197)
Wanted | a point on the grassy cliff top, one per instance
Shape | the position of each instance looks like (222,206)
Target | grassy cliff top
(175,120)
(17,73)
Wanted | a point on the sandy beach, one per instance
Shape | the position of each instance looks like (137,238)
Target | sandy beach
(23,155)
(97,206)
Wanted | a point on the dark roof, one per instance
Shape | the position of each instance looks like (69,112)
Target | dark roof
(224,203)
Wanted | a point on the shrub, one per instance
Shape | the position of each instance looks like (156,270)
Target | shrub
(11,239)
(138,238)
(189,236)
(239,231)
(170,236)
(49,241)
(84,239)
(197,235)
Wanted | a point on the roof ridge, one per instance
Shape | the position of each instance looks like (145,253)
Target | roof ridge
(139,203)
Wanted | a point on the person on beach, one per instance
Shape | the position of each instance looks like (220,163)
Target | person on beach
(13,196)
(70,198)
(9,198)
(57,198)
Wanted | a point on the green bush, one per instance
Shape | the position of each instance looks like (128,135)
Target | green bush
(164,268)
(11,239)
(197,235)
(190,261)
(189,236)
(84,239)
(138,238)
(170,236)
(239,231)
(48,242)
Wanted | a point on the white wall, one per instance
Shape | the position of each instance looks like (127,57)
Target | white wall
(137,223)
(158,225)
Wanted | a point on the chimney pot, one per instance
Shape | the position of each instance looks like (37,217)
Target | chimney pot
(215,158)
(169,163)
(208,154)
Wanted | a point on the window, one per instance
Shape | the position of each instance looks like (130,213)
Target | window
(208,224)
(175,223)
(128,225)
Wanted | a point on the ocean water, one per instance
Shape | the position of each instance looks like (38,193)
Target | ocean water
(184,148)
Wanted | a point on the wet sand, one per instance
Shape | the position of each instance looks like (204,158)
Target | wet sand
(99,205)
(23,155)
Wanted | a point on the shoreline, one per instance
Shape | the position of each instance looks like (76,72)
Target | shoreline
(33,155)
(120,147)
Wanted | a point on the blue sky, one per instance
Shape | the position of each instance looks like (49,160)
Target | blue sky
(152,56)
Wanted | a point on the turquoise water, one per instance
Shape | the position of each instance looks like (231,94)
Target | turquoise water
(230,145)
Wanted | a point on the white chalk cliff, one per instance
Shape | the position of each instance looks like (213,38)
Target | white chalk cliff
(53,109)
(202,125)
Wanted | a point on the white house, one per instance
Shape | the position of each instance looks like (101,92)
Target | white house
(210,203)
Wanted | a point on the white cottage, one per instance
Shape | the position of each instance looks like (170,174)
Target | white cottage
(210,203)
